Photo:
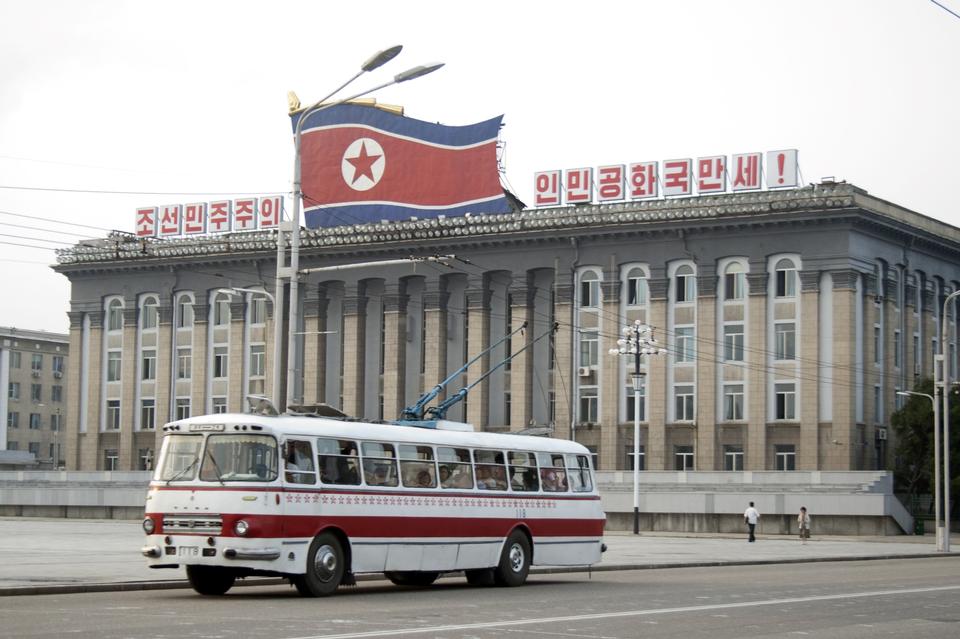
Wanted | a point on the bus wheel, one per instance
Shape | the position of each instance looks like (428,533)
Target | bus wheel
(412,578)
(480,577)
(209,580)
(325,567)
(514,561)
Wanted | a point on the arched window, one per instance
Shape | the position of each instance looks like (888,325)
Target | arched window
(184,317)
(636,283)
(221,309)
(148,313)
(686,284)
(786,278)
(734,281)
(589,290)
(114,315)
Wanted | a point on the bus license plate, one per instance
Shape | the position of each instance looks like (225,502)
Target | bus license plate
(188,551)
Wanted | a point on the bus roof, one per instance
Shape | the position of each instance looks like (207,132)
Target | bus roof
(286,425)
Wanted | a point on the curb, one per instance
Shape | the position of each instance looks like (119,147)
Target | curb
(174,584)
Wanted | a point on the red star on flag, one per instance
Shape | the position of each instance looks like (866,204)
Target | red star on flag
(363,164)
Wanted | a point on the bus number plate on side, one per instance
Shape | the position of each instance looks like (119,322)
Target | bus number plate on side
(188,551)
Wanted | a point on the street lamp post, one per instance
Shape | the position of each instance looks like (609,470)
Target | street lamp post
(936,460)
(292,271)
(637,340)
(277,334)
(945,390)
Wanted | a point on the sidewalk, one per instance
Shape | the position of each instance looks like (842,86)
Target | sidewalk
(77,555)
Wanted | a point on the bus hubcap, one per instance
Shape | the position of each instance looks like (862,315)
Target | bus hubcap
(516,558)
(325,563)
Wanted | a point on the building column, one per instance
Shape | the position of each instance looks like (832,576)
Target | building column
(236,349)
(354,350)
(706,389)
(658,394)
(757,364)
(128,378)
(394,349)
(435,336)
(314,310)
(521,366)
(808,457)
(564,377)
(199,352)
(164,372)
(478,338)
(840,455)
(611,441)
(77,370)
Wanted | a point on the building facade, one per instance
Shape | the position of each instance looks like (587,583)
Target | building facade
(33,367)
(791,319)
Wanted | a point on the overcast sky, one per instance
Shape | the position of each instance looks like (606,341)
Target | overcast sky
(183,99)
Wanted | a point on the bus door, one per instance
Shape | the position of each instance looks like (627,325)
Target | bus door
(300,487)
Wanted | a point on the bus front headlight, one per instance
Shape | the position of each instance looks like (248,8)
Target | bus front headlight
(241,528)
(149,525)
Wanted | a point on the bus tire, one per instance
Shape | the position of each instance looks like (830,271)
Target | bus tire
(412,578)
(480,577)
(326,565)
(514,561)
(210,580)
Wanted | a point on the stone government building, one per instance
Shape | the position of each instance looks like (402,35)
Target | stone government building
(791,319)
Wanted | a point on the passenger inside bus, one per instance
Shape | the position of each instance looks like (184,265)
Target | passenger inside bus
(553,480)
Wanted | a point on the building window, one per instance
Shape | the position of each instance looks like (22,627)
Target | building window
(877,405)
(641,452)
(221,310)
(36,362)
(111,461)
(14,359)
(148,313)
(785,457)
(36,392)
(686,284)
(114,366)
(220,361)
(13,390)
(13,419)
(785,340)
(34,448)
(114,315)
(786,400)
(636,288)
(257,361)
(733,402)
(876,344)
(149,368)
(113,414)
(219,405)
(258,310)
(733,458)
(13,445)
(145,457)
(589,404)
(56,393)
(733,342)
(683,403)
(631,401)
(55,421)
(916,354)
(58,365)
(184,359)
(786,279)
(683,457)
(148,414)
(734,282)
(35,421)
(684,349)
(896,349)
(589,348)
(184,312)
(589,290)
(182,408)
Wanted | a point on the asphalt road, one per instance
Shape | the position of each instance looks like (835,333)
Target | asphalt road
(896,598)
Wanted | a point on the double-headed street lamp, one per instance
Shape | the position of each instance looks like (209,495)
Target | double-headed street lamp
(291,272)
(938,525)
(637,340)
(277,335)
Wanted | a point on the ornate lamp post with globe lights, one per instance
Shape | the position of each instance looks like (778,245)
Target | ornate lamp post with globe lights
(637,341)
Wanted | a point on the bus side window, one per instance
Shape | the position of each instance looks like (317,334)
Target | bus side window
(379,464)
(578,470)
(491,474)
(338,461)
(553,472)
(299,462)
(456,470)
(416,466)
(523,471)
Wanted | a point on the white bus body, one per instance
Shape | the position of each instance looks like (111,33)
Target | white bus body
(320,500)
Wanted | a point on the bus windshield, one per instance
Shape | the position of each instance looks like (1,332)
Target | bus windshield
(179,457)
(239,458)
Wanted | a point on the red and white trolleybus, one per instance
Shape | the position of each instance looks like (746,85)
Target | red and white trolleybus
(319,500)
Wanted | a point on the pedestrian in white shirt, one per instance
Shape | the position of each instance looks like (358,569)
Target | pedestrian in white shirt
(751,516)
(803,522)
